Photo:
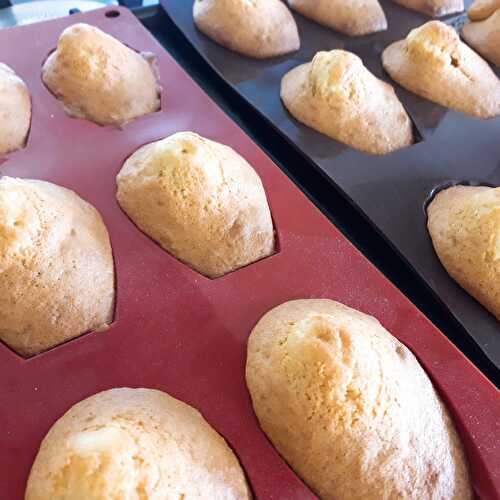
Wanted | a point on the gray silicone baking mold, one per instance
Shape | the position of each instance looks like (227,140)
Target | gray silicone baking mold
(392,190)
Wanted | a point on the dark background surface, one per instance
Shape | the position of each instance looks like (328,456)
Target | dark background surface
(329,199)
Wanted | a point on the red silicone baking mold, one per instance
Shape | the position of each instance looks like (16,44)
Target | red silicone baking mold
(176,330)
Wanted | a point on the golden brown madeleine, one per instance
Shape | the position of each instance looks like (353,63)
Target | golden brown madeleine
(134,444)
(255,28)
(337,96)
(56,266)
(464,224)
(484,37)
(352,17)
(481,9)
(99,78)
(433,8)
(15,111)
(199,200)
(435,64)
(349,407)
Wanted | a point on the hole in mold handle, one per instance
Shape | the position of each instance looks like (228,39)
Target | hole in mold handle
(112,13)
